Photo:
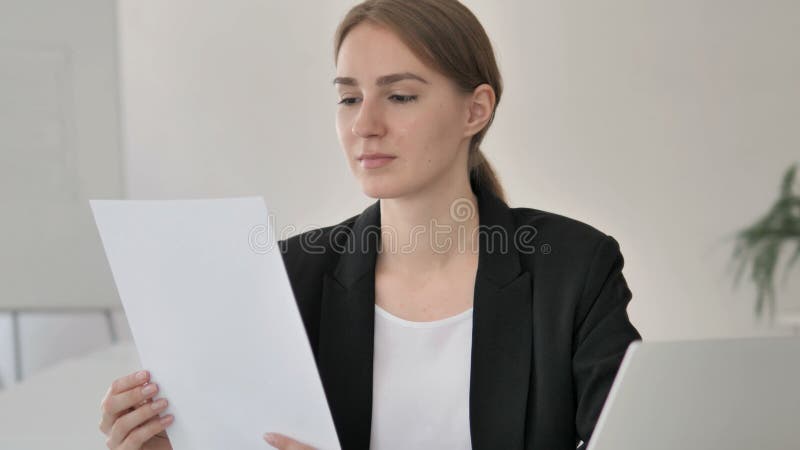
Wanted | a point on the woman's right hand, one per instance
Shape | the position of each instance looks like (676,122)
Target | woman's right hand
(131,418)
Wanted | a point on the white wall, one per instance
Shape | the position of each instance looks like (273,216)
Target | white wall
(59,146)
(664,124)
(234,98)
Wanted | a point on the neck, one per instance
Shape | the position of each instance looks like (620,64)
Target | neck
(430,230)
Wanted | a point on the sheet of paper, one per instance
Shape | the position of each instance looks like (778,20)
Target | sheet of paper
(214,319)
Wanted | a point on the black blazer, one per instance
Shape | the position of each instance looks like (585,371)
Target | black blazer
(550,325)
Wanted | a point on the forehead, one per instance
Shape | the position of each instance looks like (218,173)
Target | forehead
(370,51)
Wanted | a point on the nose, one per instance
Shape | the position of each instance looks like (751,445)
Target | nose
(369,120)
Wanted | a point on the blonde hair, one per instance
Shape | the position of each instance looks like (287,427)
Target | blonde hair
(445,35)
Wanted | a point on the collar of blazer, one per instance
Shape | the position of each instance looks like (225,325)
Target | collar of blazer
(502,333)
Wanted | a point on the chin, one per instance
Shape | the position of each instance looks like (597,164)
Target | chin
(376,192)
(380,187)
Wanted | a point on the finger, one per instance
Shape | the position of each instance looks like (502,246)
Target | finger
(128,422)
(129,381)
(145,432)
(282,442)
(120,385)
(116,405)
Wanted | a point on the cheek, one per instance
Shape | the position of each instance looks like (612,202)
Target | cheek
(340,123)
(428,136)
(407,130)
(417,140)
(343,130)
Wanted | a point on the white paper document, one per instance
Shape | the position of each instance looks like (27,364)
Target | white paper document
(214,319)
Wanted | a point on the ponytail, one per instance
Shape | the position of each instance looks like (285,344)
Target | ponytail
(482,173)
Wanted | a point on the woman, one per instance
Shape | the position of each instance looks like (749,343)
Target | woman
(439,317)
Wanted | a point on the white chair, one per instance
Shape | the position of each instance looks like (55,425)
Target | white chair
(58,407)
(43,336)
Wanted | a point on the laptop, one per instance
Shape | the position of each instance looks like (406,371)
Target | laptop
(731,394)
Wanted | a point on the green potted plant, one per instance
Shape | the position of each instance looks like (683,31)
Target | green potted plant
(760,245)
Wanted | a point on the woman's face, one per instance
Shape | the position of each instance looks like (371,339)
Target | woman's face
(420,120)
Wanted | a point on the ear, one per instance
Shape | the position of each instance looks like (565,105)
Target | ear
(480,105)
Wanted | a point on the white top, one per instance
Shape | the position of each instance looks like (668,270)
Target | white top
(421,372)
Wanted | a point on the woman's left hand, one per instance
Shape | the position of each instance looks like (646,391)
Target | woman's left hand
(282,442)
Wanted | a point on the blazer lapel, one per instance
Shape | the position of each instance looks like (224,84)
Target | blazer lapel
(346,335)
(501,335)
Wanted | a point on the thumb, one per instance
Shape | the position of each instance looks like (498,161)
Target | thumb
(282,442)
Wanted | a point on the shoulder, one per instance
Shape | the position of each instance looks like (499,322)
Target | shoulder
(557,229)
(579,275)
(563,248)
(317,247)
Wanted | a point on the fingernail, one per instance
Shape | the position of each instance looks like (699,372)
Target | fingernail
(269,437)
(149,389)
(167,419)
(141,375)
(159,404)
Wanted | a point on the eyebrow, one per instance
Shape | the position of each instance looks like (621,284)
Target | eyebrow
(382,81)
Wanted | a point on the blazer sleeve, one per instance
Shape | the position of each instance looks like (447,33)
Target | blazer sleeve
(602,334)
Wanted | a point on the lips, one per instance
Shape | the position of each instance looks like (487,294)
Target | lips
(375,160)
(367,156)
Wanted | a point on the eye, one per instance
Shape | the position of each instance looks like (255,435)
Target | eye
(404,98)
(397,98)
(346,101)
